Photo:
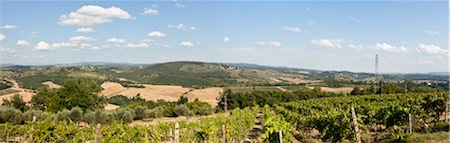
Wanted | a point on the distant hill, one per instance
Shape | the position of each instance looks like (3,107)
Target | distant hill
(191,74)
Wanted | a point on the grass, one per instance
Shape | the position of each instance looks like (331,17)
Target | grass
(7,91)
(437,137)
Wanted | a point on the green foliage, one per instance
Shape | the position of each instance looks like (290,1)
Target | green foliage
(80,92)
(272,125)
(331,116)
(210,129)
(183,110)
(119,100)
(189,74)
(139,112)
(124,115)
(75,92)
(10,115)
(261,98)
(200,108)
(182,100)
(16,101)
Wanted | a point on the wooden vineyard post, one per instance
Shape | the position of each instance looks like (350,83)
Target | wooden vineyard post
(226,104)
(446,113)
(280,135)
(32,129)
(97,134)
(410,123)
(171,136)
(7,133)
(177,133)
(355,125)
(224,134)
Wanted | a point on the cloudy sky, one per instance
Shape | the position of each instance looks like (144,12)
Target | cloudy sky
(407,36)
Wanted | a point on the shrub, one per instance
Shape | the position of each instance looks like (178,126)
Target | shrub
(200,108)
(124,115)
(99,116)
(139,112)
(40,115)
(10,115)
(76,114)
(183,110)
(154,113)
(63,115)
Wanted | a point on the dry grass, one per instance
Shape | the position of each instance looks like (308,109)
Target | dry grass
(164,92)
(208,95)
(335,90)
(50,84)
(111,107)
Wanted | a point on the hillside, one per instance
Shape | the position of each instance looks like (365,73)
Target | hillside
(197,74)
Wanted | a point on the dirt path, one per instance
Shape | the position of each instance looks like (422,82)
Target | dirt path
(254,134)
(281,88)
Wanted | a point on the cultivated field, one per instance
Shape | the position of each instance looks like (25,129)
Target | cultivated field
(164,92)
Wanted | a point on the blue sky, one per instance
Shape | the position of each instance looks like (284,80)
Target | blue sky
(407,36)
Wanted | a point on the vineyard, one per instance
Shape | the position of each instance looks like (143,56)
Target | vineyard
(378,116)
(211,129)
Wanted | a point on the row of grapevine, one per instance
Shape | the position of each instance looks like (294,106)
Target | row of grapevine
(208,129)
(376,113)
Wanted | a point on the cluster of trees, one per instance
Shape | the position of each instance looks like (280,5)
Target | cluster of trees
(78,100)
(15,116)
(75,92)
(392,88)
(161,108)
(261,98)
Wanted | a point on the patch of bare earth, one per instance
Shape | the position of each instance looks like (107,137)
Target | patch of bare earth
(50,84)
(335,90)
(164,92)
(26,94)
(208,95)
(111,107)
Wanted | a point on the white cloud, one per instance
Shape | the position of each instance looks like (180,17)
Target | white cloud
(140,45)
(2,37)
(292,29)
(7,51)
(146,41)
(390,48)
(22,43)
(42,46)
(355,19)
(62,45)
(431,49)
(355,46)
(156,34)
(85,30)
(115,40)
(226,39)
(272,44)
(8,27)
(329,43)
(149,11)
(182,26)
(432,33)
(92,15)
(79,39)
(180,5)
(187,44)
